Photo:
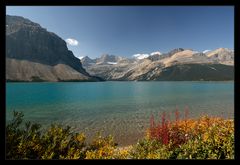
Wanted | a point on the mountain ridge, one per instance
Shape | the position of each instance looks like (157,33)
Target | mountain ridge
(133,68)
(34,54)
(29,42)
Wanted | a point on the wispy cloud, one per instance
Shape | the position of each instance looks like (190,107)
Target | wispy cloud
(72,41)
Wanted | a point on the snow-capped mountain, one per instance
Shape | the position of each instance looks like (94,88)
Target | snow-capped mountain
(156,65)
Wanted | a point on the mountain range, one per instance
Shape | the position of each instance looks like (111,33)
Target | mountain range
(178,64)
(35,54)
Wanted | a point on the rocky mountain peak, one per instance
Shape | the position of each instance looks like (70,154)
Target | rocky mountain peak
(16,23)
(18,20)
(106,58)
(176,51)
(86,58)
(28,41)
(87,61)
(220,52)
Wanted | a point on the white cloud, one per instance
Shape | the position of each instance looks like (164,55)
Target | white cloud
(141,56)
(155,53)
(72,41)
(205,51)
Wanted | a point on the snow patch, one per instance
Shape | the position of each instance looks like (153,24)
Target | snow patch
(205,51)
(81,57)
(112,63)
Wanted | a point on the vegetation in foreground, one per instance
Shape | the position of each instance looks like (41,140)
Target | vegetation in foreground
(202,138)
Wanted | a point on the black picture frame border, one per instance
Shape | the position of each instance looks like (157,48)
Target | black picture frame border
(125,3)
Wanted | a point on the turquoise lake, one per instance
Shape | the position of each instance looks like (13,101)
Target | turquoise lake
(122,109)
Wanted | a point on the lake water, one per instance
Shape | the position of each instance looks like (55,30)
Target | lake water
(122,109)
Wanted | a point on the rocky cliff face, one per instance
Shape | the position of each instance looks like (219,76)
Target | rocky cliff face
(29,42)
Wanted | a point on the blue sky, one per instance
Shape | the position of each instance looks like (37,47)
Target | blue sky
(129,30)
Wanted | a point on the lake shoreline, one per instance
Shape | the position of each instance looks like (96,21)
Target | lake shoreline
(120,108)
(118,81)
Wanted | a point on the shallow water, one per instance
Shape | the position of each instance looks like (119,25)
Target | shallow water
(122,109)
